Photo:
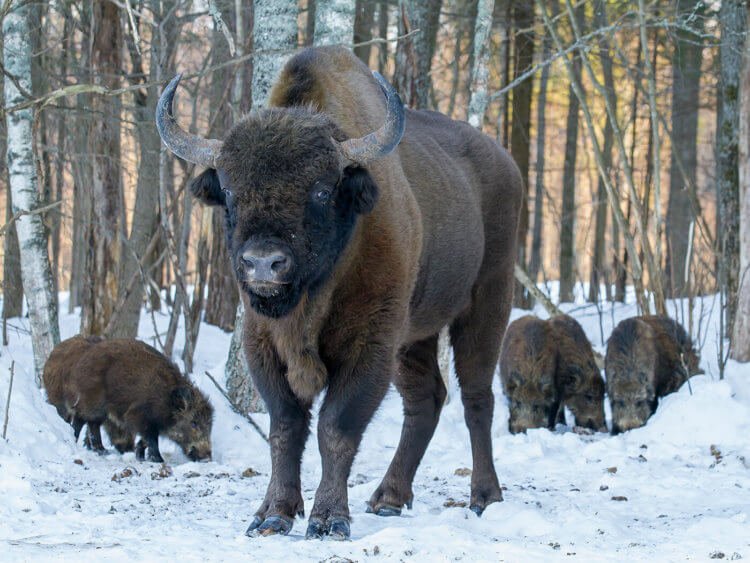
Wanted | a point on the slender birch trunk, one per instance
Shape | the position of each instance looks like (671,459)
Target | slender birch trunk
(480,72)
(36,274)
(334,22)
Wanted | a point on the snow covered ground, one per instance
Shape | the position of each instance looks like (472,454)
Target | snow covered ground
(676,489)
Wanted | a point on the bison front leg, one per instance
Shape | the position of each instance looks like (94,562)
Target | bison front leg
(423,391)
(290,427)
(352,398)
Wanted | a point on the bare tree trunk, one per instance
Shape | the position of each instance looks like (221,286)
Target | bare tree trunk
(523,21)
(36,274)
(145,214)
(382,34)
(405,74)
(12,284)
(105,191)
(686,77)
(425,16)
(480,73)
(535,261)
(507,57)
(221,303)
(741,334)
(732,20)
(598,272)
(334,22)
(309,25)
(568,214)
(363,22)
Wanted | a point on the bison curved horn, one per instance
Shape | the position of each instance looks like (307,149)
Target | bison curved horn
(381,142)
(187,146)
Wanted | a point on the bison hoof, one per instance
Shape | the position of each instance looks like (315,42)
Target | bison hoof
(476,509)
(336,528)
(156,458)
(271,526)
(481,500)
(384,510)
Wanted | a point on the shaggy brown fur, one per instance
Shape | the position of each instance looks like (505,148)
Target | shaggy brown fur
(383,257)
(131,388)
(647,358)
(578,377)
(528,362)
(546,366)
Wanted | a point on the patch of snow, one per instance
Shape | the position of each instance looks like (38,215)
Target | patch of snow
(683,480)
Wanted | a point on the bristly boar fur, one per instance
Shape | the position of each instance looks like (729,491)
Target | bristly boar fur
(647,358)
(546,365)
(578,377)
(131,388)
(528,361)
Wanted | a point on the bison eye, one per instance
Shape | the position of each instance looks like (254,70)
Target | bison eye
(194,425)
(322,195)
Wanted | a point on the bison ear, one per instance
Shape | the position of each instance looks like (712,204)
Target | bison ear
(182,397)
(360,188)
(206,187)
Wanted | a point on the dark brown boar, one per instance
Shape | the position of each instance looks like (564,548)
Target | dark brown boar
(647,358)
(57,370)
(528,361)
(578,378)
(134,389)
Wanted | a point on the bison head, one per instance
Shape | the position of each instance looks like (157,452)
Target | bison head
(292,187)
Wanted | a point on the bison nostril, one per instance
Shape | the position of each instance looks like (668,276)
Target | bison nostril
(280,263)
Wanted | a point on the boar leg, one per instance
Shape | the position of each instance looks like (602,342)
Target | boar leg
(140,450)
(95,437)
(560,419)
(152,443)
(77,425)
(476,338)
(355,391)
(290,427)
(423,392)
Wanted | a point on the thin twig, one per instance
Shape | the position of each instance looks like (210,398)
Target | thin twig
(219,21)
(7,402)
(236,409)
(18,214)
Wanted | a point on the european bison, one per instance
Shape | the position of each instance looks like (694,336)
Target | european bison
(131,388)
(546,365)
(356,230)
(647,357)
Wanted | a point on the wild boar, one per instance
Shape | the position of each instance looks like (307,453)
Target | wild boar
(578,377)
(528,360)
(647,358)
(133,389)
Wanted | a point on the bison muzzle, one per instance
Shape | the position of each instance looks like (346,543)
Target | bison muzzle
(357,230)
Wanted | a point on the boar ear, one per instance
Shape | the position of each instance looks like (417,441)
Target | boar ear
(207,188)
(182,397)
(359,188)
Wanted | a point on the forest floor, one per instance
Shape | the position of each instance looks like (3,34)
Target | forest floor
(676,489)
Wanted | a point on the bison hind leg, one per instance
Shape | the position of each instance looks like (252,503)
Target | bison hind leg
(476,336)
(423,392)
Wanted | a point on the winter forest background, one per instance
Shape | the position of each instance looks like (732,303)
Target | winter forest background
(630,122)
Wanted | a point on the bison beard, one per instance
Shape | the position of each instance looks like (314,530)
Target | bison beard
(352,252)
